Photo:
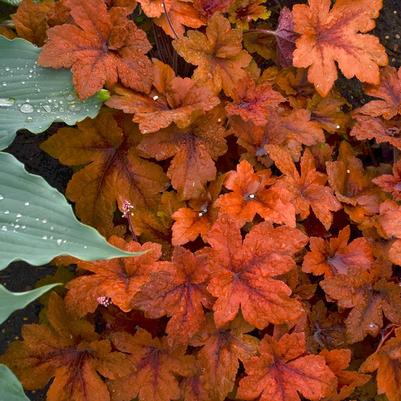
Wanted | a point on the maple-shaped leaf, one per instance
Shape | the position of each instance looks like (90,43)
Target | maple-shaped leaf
(391,183)
(117,280)
(113,168)
(285,37)
(30,20)
(338,255)
(194,151)
(99,47)
(389,91)
(68,350)
(218,54)
(252,101)
(199,217)
(338,361)
(156,367)
(308,187)
(338,35)
(281,372)
(243,272)
(387,362)
(283,128)
(178,290)
(242,12)
(222,349)
(250,196)
(370,295)
(367,127)
(174,100)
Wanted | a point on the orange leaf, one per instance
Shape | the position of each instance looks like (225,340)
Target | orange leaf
(176,100)
(113,170)
(31,20)
(243,272)
(70,351)
(338,360)
(308,187)
(222,349)
(116,280)
(337,35)
(281,372)
(178,290)
(337,256)
(194,151)
(370,296)
(99,47)
(387,363)
(218,54)
(155,368)
(389,91)
(252,102)
(250,196)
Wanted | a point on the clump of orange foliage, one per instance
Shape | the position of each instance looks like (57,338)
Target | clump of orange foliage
(273,234)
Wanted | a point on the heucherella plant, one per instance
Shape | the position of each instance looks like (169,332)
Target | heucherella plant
(230,227)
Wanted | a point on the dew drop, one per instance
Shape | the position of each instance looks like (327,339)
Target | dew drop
(26,108)
(51,228)
(155,97)
(6,212)
(26,203)
(4,84)
(4,228)
(44,237)
(7,69)
(47,108)
(4,102)
(19,215)
(44,221)
(85,247)
(1,197)
(23,227)
(29,119)
(23,82)
(59,241)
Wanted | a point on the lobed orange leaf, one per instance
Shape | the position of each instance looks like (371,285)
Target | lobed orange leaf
(222,349)
(337,256)
(175,100)
(391,183)
(100,46)
(338,360)
(113,168)
(30,20)
(155,368)
(252,102)
(389,91)
(387,362)
(117,280)
(307,187)
(68,350)
(243,272)
(250,196)
(194,151)
(370,296)
(218,54)
(338,35)
(280,372)
(178,290)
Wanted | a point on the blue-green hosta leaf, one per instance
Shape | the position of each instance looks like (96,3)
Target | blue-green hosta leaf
(10,388)
(12,301)
(33,97)
(12,2)
(37,223)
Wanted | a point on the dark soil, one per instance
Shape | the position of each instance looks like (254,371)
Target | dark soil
(20,276)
